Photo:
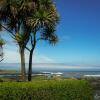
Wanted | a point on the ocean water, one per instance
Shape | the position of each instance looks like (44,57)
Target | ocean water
(79,74)
(66,72)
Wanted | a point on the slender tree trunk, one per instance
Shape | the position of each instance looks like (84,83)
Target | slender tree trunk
(30,65)
(22,56)
(1,53)
(1,60)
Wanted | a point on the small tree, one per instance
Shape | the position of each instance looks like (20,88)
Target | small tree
(43,25)
(13,15)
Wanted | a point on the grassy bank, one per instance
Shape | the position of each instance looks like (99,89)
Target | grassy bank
(46,90)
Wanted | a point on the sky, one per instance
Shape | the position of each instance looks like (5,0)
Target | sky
(79,36)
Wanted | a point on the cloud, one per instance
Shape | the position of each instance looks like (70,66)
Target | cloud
(12,56)
(43,58)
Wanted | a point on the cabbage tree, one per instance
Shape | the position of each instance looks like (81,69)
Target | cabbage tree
(13,15)
(43,26)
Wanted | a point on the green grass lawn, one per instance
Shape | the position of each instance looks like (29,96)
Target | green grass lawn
(46,90)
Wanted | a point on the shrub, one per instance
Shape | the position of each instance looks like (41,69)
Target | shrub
(46,90)
(1,80)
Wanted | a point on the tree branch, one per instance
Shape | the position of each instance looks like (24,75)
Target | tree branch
(11,33)
(28,49)
(8,30)
(31,40)
(1,60)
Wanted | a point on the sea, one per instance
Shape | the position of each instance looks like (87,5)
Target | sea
(66,72)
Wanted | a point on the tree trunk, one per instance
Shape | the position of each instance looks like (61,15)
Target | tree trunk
(30,65)
(23,71)
(1,60)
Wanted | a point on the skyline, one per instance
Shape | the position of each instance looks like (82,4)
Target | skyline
(79,33)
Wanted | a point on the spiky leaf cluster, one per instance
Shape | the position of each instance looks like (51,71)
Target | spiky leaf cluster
(45,19)
(13,15)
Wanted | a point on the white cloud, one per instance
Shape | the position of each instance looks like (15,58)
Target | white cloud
(40,58)
(12,56)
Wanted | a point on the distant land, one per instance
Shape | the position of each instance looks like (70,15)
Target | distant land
(51,67)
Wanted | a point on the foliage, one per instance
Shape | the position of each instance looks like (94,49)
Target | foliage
(13,15)
(2,42)
(23,19)
(46,90)
(43,24)
(44,21)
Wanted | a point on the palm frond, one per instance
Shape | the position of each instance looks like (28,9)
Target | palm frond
(43,18)
(53,39)
(11,24)
(2,42)
(48,33)
(0,27)
(44,4)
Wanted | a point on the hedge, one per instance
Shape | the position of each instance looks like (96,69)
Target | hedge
(46,90)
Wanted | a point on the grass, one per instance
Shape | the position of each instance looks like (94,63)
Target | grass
(4,72)
(46,90)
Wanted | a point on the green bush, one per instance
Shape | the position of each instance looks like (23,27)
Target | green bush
(46,90)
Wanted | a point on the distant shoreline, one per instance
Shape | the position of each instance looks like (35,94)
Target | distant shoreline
(67,74)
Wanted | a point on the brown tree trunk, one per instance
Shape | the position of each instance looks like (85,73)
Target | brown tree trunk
(22,56)
(30,65)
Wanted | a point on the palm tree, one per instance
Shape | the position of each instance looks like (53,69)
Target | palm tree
(13,15)
(1,49)
(44,20)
